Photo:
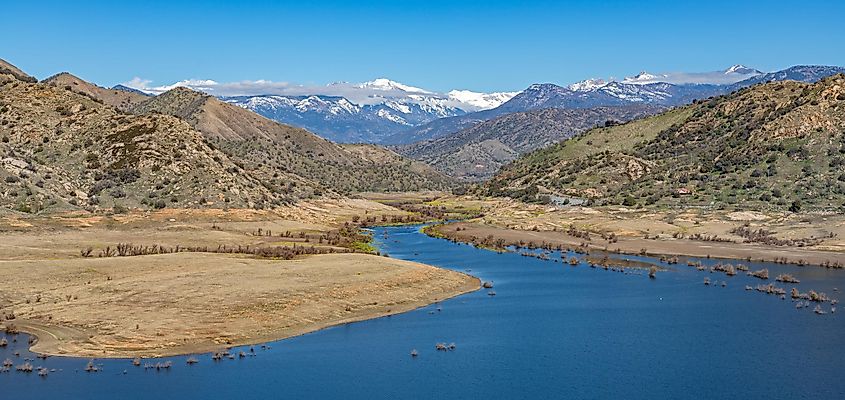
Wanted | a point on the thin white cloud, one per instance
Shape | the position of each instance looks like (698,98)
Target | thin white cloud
(731,75)
(138,83)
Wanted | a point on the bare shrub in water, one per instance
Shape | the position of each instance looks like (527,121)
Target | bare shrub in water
(762,274)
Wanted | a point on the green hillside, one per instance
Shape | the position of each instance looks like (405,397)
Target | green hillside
(772,146)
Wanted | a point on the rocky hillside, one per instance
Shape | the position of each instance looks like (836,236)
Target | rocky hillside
(278,154)
(777,145)
(120,99)
(15,73)
(63,149)
(477,152)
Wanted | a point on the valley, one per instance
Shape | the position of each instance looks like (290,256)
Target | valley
(448,200)
(179,224)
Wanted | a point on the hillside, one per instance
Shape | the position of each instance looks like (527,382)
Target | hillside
(478,152)
(62,149)
(279,154)
(121,99)
(14,73)
(778,145)
(440,127)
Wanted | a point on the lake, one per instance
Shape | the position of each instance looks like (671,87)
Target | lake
(551,331)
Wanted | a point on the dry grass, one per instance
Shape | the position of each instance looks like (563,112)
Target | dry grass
(164,300)
(187,302)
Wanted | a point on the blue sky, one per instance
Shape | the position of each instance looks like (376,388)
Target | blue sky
(438,45)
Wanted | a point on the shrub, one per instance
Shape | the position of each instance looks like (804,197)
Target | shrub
(92,160)
(118,193)
(98,187)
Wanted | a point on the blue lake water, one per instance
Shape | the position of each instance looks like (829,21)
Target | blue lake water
(551,331)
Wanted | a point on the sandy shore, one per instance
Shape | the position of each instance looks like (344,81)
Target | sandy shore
(471,231)
(194,302)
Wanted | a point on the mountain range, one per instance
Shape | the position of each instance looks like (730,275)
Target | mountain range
(390,108)
(640,89)
(338,119)
(392,113)
(347,112)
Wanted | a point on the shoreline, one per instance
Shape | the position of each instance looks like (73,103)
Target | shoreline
(476,233)
(30,328)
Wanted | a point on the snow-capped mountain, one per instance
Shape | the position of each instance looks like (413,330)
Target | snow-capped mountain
(389,112)
(666,89)
(587,85)
(740,69)
(387,85)
(369,111)
(644,78)
(340,120)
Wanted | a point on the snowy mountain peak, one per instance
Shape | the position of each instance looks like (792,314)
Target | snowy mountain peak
(741,70)
(387,84)
(483,101)
(587,85)
(644,78)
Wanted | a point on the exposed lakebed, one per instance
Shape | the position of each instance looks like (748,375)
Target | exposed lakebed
(551,331)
